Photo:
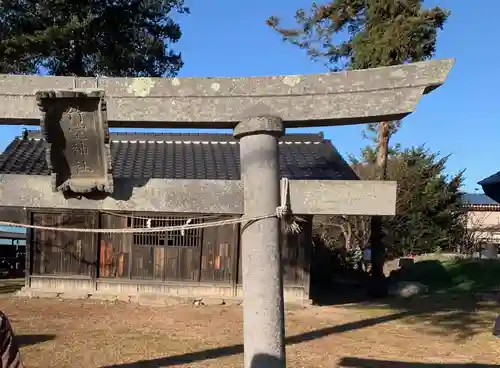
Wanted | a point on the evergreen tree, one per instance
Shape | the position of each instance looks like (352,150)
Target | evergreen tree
(90,37)
(428,207)
(429,216)
(360,34)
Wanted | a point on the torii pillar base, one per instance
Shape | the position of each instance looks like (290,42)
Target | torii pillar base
(263,310)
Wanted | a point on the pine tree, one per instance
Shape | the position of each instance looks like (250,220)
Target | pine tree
(360,34)
(429,216)
(90,37)
(429,213)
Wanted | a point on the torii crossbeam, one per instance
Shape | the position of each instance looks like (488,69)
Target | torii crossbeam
(351,97)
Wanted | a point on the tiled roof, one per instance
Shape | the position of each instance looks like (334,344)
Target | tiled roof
(490,180)
(478,199)
(479,202)
(188,156)
(491,186)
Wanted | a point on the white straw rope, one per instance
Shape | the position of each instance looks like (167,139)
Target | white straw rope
(282,212)
(139,230)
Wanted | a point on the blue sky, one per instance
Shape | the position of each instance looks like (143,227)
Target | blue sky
(230,38)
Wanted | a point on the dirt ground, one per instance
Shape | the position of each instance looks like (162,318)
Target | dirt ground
(89,334)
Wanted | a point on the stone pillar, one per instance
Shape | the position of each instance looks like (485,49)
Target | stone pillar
(263,310)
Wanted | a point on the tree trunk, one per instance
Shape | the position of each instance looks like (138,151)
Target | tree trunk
(383,148)
(75,66)
(378,287)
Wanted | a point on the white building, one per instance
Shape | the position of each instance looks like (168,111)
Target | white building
(483,219)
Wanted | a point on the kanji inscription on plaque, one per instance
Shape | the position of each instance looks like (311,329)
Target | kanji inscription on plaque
(74,125)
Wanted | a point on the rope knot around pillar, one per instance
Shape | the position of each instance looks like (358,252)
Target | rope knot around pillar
(284,213)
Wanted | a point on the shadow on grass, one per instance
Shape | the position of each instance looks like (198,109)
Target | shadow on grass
(26,340)
(457,301)
(349,362)
(443,314)
(226,351)
(452,306)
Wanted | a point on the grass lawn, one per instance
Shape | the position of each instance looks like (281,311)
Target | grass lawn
(453,275)
(449,325)
(90,334)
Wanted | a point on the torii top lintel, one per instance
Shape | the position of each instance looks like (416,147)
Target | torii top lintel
(350,97)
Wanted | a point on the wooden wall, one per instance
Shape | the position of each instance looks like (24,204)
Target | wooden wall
(61,253)
(114,249)
(296,252)
(209,255)
(205,255)
(219,256)
(13,214)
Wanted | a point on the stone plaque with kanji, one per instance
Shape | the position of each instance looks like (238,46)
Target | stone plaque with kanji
(74,125)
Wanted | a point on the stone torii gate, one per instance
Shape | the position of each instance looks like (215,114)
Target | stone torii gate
(78,111)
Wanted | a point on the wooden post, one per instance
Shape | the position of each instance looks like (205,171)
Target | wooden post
(28,254)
